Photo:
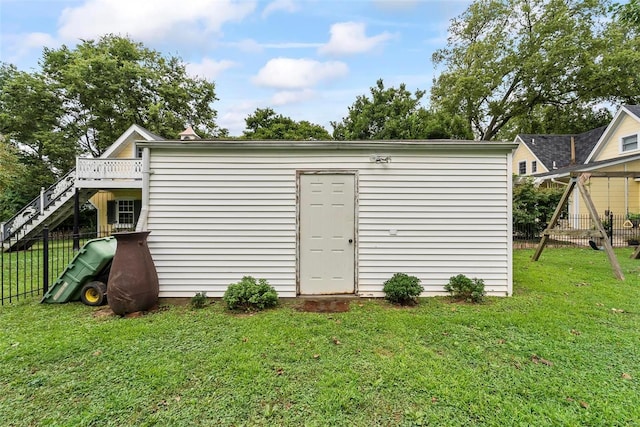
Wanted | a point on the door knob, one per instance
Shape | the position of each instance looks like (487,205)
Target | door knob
(350,240)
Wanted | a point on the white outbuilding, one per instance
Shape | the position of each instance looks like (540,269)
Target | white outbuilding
(318,218)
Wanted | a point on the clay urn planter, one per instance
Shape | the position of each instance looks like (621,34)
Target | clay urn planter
(133,280)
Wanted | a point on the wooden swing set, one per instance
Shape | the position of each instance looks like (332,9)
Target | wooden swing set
(578,180)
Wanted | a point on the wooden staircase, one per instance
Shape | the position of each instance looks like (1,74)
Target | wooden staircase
(50,208)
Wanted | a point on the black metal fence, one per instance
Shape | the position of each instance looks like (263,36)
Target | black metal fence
(577,230)
(28,269)
(32,264)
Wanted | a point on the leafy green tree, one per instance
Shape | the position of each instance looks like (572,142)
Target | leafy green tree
(265,124)
(21,177)
(109,84)
(29,116)
(10,171)
(505,58)
(629,13)
(533,206)
(616,77)
(9,166)
(30,152)
(83,98)
(396,113)
(556,119)
(7,71)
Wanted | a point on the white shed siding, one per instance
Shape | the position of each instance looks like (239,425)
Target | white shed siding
(449,215)
(216,216)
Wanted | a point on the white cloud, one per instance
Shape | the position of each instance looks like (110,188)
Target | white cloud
(18,47)
(292,96)
(290,45)
(247,45)
(350,38)
(234,118)
(396,5)
(148,20)
(287,73)
(252,46)
(279,5)
(38,41)
(208,68)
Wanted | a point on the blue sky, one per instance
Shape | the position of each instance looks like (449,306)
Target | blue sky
(306,59)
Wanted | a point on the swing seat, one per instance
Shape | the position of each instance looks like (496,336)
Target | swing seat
(594,246)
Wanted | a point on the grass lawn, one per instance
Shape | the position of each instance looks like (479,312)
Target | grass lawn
(564,350)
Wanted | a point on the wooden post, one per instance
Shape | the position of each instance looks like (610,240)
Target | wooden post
(617,270)
(554,219)
(600,231)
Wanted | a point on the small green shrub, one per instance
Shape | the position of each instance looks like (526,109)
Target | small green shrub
(250,295)
(199,300)
(633,216)
(462,287)
(402,289)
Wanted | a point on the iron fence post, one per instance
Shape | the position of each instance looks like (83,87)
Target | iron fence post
(76,220)
(45,259)
(610,228)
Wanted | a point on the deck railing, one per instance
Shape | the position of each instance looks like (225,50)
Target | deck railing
(36,206)
(97,169)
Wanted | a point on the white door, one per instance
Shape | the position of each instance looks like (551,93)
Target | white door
(327,234)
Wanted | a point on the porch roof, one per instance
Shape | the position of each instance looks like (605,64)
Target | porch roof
(594,166)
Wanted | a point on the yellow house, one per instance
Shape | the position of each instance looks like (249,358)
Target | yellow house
(116,179)
(112,183)
(613,148)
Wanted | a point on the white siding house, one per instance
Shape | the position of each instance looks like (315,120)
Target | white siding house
(327,217)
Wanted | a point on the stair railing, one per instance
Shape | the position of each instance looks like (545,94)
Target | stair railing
(38,205)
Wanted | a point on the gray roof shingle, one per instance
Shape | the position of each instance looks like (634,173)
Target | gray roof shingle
(635,109)
(557,148)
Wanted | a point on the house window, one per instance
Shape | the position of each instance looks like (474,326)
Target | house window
(534,166)
(125,212)
(630,143)
(139,152)
(522,168)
